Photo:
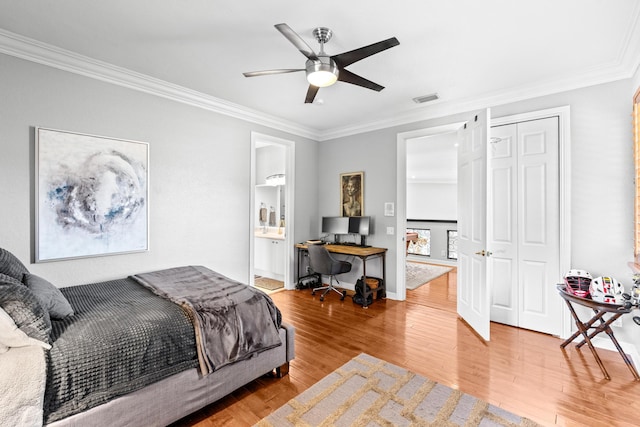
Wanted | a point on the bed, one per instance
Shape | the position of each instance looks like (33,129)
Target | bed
(147,349)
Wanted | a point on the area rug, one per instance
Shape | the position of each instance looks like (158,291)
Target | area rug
(268,284)
(418,273)
(371,392)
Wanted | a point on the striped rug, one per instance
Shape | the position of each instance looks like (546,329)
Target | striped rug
(371,392)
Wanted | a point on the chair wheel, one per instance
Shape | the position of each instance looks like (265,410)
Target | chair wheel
(313,292)
(344,294)
(321,298)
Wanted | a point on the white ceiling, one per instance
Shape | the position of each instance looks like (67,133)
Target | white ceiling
(472,53)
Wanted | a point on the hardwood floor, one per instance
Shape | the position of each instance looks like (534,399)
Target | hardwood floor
(519,370)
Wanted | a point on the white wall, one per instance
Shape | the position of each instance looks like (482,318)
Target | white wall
(432,201)
(199,172)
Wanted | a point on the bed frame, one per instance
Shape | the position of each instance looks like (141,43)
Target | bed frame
(175,397)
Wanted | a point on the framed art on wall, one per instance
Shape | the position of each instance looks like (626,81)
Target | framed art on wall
(352,194)
(91,195)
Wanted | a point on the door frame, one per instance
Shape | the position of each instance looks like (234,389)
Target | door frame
(563,113)
(289,146)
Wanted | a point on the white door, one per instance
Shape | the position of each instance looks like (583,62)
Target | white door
(524,227)
(473,292)
(502,224)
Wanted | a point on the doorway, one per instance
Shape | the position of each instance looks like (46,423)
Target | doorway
(271,225)
(431,257)
(563,188)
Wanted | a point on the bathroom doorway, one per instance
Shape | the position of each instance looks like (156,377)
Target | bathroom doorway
(271,207)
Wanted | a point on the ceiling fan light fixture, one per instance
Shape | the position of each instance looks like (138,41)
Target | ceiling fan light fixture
(322,73)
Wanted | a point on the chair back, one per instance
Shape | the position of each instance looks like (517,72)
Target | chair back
(319,259)
(322,262)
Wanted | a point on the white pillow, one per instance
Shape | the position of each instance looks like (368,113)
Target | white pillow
(11,336)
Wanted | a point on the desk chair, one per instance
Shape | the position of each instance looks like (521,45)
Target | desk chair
(322,262)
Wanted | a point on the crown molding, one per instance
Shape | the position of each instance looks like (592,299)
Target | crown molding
(42,53)
(618,71)
(626,65)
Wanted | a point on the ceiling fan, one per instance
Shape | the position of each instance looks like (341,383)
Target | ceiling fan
(324,70)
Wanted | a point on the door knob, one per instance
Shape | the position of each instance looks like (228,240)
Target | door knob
(484,253)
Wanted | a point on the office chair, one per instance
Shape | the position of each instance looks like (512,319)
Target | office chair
(322,262)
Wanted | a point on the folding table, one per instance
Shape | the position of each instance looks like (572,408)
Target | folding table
(596,324)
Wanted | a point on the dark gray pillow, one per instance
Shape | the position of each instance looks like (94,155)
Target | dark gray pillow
(50,297)
(11,266)
(8,279)
(25,309)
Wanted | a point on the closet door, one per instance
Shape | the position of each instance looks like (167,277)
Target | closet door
(538,225)
(502,223)
(523,226)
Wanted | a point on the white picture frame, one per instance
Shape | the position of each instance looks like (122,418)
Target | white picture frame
(92,195)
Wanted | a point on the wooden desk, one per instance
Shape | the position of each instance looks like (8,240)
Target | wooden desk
(597,324)
(361,252)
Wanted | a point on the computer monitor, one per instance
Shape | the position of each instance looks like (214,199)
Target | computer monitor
(359,225)
(335,224)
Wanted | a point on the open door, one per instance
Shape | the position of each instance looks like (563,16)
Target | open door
(473,288)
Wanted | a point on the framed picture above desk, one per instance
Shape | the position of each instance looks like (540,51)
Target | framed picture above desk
(364,253)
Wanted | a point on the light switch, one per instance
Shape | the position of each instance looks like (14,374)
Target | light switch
(390,230)
(389,209)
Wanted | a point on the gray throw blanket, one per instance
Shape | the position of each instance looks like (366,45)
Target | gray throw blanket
(232,321)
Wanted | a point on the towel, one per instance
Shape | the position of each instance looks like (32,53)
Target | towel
(263,214)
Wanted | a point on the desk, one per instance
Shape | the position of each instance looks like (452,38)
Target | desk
(599,309)
(361,252)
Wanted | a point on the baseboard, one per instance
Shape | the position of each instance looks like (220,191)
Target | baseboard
(606,344)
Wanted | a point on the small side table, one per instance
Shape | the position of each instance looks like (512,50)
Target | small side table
(598,324)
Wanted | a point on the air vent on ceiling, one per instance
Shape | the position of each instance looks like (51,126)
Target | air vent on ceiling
(425,98)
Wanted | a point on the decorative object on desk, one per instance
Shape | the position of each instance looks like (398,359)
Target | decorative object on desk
(352,194)
(418,274)
(370,391)
(91,195)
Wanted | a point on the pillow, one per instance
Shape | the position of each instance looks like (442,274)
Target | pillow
(11,336)
(10,265)
(25,310)
(8,279)
(49,296)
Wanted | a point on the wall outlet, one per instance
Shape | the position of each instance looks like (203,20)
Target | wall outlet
(390,230)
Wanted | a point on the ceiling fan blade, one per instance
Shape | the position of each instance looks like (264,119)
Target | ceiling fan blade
(297,41)
(269,72)
(349,77)
(346,58)
(311,94)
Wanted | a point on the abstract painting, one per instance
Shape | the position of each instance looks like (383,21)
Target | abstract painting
(91,195)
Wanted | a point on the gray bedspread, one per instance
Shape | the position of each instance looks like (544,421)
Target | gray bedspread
(121,338)
(232,320)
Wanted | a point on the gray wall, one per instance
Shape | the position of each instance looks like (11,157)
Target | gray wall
(199,172)
(601,176)
(199,164)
